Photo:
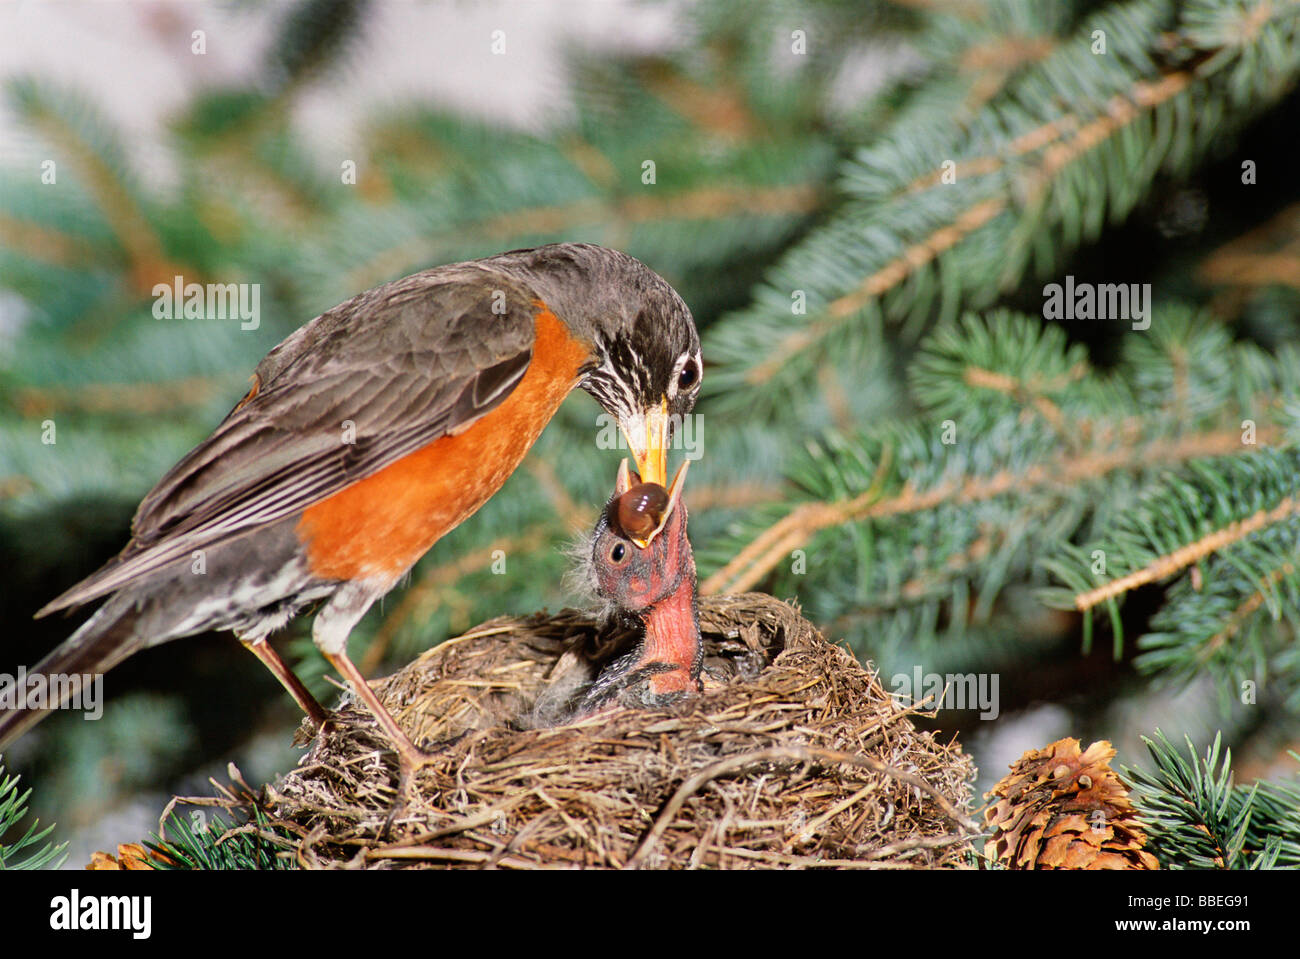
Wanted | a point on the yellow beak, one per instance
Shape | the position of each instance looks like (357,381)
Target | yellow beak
(647,438)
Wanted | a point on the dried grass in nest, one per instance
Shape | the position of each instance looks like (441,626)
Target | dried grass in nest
(794,756)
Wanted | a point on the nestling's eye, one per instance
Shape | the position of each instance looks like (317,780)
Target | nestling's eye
(617,553)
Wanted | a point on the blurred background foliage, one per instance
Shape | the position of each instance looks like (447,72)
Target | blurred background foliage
(861,202)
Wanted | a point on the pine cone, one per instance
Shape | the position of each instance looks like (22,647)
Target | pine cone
(1062,809)
(130,855)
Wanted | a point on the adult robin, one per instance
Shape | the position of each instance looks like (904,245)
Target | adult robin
(652,589)
(367,435)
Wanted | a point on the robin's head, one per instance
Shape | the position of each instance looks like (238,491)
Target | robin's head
(632,579)
(645,368)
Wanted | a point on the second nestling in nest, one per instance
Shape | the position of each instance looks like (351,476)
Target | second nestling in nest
(664,733)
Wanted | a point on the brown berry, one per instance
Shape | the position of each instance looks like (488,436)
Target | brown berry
(641,508)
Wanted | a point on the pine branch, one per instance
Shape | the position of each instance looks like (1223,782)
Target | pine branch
(20,854)
(1025,367)
(1167,565)
(1266,256)
(706,203)
(207,841)
(758,558)
(937,216)
(134,398)
(888,277)
(1235,618)
(44,243)
(1198,819)
(1220,507)
(80,133)
(896,532)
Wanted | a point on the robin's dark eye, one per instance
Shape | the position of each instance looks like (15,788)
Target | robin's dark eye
(617,553)
(687,377)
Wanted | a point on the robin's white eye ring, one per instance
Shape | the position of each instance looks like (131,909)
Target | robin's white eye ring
(687,377)
(617,554)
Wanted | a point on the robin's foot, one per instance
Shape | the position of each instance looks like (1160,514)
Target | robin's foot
(410,758)
(310,728)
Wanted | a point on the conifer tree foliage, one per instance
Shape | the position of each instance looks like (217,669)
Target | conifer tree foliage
(900,432)
(1200,819)
(21,851)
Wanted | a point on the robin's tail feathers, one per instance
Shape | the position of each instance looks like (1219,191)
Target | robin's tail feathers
(102,642)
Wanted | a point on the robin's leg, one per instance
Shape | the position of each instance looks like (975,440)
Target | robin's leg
(411,757)
(300,693)
(330,632)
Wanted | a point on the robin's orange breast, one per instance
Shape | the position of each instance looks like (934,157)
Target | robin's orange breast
(378,527)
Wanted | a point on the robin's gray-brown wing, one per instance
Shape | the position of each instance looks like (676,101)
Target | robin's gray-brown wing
(372,380)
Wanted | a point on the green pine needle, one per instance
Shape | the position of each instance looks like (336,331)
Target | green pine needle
(206,841)
(1198,819)
(20,853)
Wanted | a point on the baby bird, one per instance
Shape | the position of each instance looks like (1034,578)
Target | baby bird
(651,588)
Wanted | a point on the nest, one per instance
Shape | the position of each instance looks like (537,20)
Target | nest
(794,756)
